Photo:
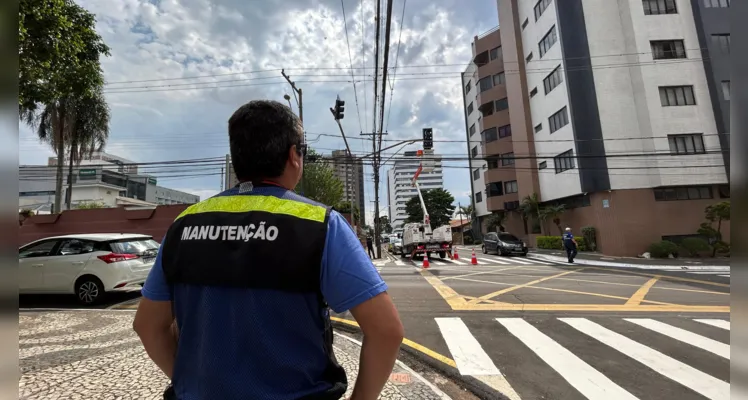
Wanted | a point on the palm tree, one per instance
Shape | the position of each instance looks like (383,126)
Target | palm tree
(89,132)
(51,126)
(553,213)
(467,211)
(530,209)
(496,220)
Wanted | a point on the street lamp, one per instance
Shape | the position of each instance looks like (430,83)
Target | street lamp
(288,98)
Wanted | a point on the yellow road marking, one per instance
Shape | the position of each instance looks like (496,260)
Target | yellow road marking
(511,289)
(476,273)
(635,285)
(608,296)
(413,345)
(637,297)
(453,298)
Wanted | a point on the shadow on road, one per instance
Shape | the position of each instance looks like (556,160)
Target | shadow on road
(70,301)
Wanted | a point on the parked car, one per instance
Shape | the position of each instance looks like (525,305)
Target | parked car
(396,245)
(504,244)
(87,265)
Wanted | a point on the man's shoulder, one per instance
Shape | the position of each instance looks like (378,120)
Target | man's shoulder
(291,195)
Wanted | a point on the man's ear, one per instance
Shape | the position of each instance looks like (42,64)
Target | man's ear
(293,156)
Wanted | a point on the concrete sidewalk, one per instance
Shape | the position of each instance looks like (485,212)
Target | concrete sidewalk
(94,354)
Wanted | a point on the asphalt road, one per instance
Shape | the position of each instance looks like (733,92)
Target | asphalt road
(533,329)
(539,330)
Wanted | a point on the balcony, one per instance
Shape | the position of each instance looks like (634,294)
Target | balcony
(500,174)
(496,203)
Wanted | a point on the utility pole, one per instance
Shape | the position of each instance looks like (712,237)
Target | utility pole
(300,103)
(337,114)
(462,228)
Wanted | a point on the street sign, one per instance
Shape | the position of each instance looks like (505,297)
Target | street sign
(87,173)
(152,181)
(428,162)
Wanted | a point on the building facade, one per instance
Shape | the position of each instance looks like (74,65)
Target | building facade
(350,171)
(103,178)
(617,113)
(400,188)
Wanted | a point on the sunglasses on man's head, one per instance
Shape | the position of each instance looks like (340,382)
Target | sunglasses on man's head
(302,149)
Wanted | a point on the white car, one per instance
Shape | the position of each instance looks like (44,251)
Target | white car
(87,265)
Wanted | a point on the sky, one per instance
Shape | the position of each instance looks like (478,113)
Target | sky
(168,56)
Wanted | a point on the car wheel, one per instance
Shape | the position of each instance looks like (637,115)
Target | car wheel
(442,254)
(484,249)
(524,254)
(89,290)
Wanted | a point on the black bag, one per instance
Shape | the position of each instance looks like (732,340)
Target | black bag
(169,393)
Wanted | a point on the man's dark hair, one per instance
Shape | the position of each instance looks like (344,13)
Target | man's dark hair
(260,134)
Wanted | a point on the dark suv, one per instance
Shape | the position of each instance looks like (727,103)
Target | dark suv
(503,244)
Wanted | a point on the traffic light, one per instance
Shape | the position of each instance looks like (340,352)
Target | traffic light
(428,139)
(339,109)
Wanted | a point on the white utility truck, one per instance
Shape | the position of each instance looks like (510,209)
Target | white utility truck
(419,238)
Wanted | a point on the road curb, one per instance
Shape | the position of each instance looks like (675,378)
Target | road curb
(473,385)
(628,265)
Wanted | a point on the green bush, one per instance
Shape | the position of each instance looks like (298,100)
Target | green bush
(663,249)
(556,243)
(694,247)
(723,248)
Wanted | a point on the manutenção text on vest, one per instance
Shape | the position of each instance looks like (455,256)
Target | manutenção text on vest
(231,232)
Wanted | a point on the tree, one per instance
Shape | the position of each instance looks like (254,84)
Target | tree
(345,208)
(91,205)
(384,225)
(320,182)
(466,211)
(58,54)
(496,220)
(529,209)
(438,204)
(89,131)
(715,213)
(553,213)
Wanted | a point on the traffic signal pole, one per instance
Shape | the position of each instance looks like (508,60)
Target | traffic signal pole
(337,114)
(300,101)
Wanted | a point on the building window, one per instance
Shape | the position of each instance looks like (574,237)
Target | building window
(475,151)
(564,161)
(507,159)
(667,49)
(505,131)
(553,79)
(476,174)
(716,3)
(538,127)
(528,58)
(548,41)
(540,7)
(494,189)
(493,163)
(726,90)
(558,120)
(543,165)
(472,129)
(686,144)
(478,197)
(499,79)
(677,96)
(524,24)
(722,41)
(502,104)
(510,187)
(657,7)
(467,88)
(495,53)
(683,193)
(490,135)
(485,84)
(470,108)
(533,92)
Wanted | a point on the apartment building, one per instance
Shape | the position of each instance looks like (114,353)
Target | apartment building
(350,171)
(617,113)
(493,175)
(400,188)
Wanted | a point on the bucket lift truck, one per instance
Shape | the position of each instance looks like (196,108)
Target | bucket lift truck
(419,238)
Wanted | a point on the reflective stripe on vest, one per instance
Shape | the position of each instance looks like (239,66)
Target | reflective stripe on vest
(249,241)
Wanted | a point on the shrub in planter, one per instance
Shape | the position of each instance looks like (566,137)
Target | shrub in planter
(723,248)
(694,247)
(663,249)
(556,243)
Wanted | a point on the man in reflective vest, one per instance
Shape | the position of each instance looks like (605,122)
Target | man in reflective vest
(247,277)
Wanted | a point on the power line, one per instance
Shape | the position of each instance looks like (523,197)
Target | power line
(397,57)
(350,58)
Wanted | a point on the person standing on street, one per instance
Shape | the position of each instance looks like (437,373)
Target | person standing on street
(570,245)
(370,246)
(236,305)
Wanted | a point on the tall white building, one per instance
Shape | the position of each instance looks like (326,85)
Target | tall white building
(400,188)
(351,172)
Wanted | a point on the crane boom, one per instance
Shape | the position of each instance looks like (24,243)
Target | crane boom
(426,219)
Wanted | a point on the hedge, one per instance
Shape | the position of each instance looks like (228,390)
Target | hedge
(556,243)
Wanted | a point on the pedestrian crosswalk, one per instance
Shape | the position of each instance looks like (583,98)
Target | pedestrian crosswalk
(593,358)
(486,260)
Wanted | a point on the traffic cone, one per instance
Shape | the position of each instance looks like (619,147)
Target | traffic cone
(425,261)
(474,260)
(455,255)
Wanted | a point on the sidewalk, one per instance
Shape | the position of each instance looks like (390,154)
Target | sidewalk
(94,354)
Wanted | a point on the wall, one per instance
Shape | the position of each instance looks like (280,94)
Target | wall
(153,222)
(473,119)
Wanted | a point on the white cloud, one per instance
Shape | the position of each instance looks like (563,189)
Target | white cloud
(161,118)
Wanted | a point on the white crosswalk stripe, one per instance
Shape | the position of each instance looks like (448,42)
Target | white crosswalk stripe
(586,374)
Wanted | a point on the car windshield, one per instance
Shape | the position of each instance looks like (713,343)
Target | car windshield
(134,246)
(505,237)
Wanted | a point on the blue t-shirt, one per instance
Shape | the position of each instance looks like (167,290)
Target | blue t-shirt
(568,239)
(263,344)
